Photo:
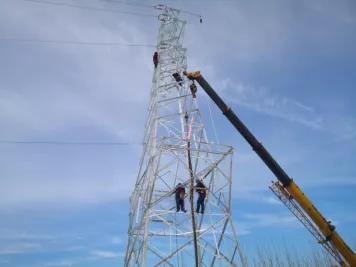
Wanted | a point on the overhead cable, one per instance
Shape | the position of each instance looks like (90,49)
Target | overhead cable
(148,6)
(65,4)
(67,42)
(191,13)
(128,3)
(14,142)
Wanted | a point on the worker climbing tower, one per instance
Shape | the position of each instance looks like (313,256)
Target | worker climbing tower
(176,150)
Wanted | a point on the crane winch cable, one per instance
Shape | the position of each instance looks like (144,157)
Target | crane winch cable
(213,123)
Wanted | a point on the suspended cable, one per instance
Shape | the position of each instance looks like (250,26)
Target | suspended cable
(64,42)
(150,6)
(14,142)
(147,6)
(191,13)
(128,3)
(64,4)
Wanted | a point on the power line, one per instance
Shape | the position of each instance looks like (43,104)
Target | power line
(13,142)
(64,4)
(128,3)
(148,6)
(65,42)
(191,13)
(88,7)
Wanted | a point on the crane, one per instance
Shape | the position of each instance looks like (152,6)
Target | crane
(285,188)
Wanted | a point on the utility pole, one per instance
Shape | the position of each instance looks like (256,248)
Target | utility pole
(176,150)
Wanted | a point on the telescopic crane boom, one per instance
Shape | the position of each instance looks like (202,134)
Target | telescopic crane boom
(326,232)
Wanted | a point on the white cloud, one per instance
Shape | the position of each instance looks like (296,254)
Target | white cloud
(116,240)
(61,263)
(332,181)
(10,235)
(270,219)
(19,248)
(262,100)
(70,193)
(271,200)
(250,221)
(105,254)
(342,127)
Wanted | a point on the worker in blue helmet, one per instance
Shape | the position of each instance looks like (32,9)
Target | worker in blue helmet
(201,189)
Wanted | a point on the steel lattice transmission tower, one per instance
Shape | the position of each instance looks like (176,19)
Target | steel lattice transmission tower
(177,150)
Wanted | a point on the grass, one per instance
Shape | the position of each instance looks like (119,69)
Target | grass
(271,257)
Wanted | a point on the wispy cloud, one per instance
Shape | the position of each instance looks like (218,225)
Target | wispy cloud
(259,196)
(19,248)
(116,240)
(332,181)
(263,100)
(270,219)
(105,254)
(266,101)
(61,263)
(11,235)
(250,221)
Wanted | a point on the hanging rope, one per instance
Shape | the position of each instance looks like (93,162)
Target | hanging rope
(175,220)
(213,123)
(191,198)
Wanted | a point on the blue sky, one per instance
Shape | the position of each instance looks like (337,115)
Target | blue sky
(286,67)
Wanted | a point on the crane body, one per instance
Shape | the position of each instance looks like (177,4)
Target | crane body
(286,188)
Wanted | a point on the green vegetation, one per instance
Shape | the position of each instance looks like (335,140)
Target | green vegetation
(272,257)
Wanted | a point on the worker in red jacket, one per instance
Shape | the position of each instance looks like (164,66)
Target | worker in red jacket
(155,59)
(179,195)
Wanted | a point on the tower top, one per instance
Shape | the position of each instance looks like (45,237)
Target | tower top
(168,13)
